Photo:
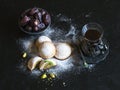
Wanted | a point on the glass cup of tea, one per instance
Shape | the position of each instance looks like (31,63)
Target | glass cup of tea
(93,46)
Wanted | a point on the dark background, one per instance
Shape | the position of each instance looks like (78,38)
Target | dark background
(106,76)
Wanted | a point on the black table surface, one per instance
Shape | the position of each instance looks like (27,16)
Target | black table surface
(106,75)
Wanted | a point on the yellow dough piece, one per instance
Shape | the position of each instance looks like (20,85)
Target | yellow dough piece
(33,62)
(47,64)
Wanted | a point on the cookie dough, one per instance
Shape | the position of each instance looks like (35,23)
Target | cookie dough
(47,50)
(63,51)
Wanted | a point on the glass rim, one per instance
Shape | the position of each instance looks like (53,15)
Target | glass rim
(97,27)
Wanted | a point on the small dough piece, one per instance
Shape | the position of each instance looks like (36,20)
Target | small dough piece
(33,62)
(42,39)
(63,51)
(47,64)
(47,50)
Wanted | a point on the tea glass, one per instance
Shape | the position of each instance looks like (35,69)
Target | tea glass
(93,45)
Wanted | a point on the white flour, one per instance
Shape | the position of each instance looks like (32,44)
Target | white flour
(57,35)
(62,66)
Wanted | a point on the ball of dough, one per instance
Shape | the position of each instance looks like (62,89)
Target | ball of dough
(47,50)
(63,51)
(42,39)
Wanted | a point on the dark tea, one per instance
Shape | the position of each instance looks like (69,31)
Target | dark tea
(92,35)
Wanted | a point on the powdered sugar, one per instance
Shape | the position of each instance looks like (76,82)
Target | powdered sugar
(56,33)
(62,66)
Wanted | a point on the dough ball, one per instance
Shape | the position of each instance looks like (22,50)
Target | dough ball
(47,50)
(42,39)
(63,51)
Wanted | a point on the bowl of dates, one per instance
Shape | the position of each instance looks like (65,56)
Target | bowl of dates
(34,20)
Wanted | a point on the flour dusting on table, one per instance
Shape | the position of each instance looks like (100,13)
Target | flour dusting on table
(58,33)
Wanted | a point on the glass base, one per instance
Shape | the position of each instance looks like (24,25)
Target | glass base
(101,56)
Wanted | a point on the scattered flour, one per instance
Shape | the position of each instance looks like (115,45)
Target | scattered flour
(62,66)
(57,35)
